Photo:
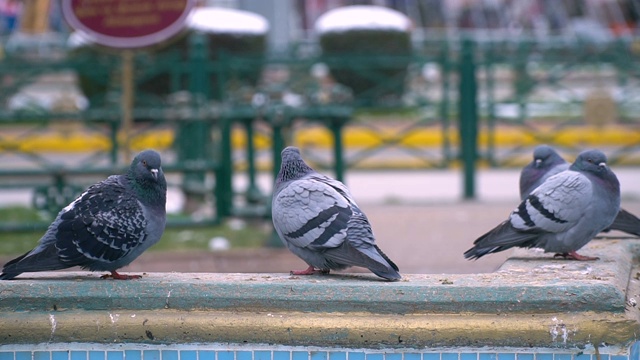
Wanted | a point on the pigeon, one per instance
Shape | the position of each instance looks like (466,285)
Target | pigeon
(107,227)
(319,221)
(561,215)
(546,163)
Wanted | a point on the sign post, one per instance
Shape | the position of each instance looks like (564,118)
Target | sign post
(127,25)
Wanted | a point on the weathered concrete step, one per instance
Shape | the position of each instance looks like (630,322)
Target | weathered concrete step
(532,300)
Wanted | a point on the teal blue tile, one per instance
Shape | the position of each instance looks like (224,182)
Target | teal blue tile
(562,356)
(320,355)
(23,355)
(6,355)
(203,355)
(469,356)
(619,357)
(116,355)
(41,355)
(337,355)
(375,356)
(60,355)
(169,355)
(244,355)
(78,355)
(544,356)
(150,355)
(224,355)
(488,356)
(507,356)
(412,356)
(393,356)
(261,355)
(281,355)
(635,351)
(132,355)
(188,355)
(300,355)
(526,356)
(581,357)
(431,356)
(96,355)
(355,355)
(449,356)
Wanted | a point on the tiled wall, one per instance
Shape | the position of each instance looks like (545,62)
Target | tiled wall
(222,352)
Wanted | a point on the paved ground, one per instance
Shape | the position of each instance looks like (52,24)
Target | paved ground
(418,218)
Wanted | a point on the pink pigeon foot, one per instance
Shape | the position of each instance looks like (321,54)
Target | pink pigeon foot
(573,255)
(309,271)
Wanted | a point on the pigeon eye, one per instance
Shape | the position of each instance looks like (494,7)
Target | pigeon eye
(144,162)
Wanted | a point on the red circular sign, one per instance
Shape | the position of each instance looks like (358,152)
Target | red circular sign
(127,23)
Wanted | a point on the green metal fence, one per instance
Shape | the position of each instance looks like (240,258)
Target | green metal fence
(482,100)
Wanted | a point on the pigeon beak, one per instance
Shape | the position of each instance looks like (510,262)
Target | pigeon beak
(603,164)
(538,162)
(154,172)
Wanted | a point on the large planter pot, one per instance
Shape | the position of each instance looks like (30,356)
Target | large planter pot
(368,49)
(227,33)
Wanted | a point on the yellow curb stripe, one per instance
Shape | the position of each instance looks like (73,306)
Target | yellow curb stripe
(79,141)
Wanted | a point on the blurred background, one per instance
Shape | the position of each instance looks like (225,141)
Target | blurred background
(427,110)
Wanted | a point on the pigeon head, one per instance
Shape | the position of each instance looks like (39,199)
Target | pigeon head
(545,157)
(595,162)
(146,172)
(292,167)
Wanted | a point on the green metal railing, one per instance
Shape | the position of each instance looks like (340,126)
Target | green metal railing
(533,88)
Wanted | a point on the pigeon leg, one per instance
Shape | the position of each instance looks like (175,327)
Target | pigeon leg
(115,276)
(309,271)
(575,256)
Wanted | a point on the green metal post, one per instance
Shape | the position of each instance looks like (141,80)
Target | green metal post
(194,135)
(336,131)
(253,193)
(445,68)
(224,188)
(278,146)
(489,66)
(468,116)
(278,143)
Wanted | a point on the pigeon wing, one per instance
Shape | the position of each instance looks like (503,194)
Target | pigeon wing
(555,206)
(311,214)
(104,224)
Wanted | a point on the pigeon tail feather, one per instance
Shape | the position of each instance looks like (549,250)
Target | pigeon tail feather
(626,222)
(368,258)
(44,260)
(500,238)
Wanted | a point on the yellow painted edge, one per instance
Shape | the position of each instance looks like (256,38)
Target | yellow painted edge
(79,141)
(329,329)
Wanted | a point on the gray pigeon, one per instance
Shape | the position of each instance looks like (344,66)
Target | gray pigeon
(546,163)
(107,227)
(318,220)
(561,215)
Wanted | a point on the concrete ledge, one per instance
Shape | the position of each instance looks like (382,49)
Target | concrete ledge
(531,301)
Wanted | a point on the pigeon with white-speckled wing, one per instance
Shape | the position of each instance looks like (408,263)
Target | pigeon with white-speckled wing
(318,220)
(107,227)
(561,215)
